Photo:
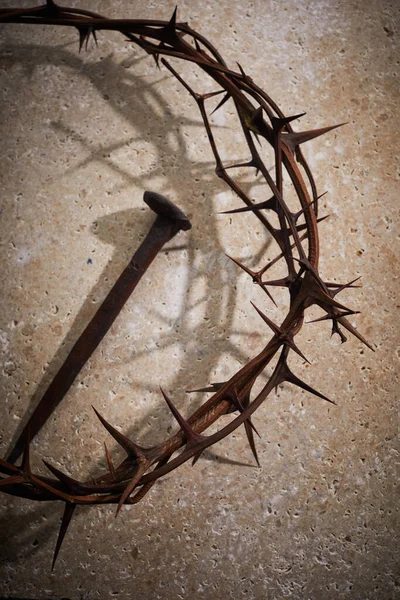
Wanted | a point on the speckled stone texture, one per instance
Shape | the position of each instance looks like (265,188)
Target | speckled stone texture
(83,135)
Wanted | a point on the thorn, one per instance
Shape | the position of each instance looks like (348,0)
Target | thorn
(345,323)
(255,123)
(248,424)
(172,21)
(241,69)
(287,339)
(270,204)
(156,56)
(315,293)
(270,296)
(336,329)
(249,163)
(213,387)
(252,274)
(242,266)
(72,484)
(255,276)
(84,35)
(290,342)
(277,330)
(197,45)
(169,30)
(283,282)
(196,457)
(192,437)
(257,120)
(292,140)
(238,405)
(142,466)
(250,438)
(130,447)
(93,31)
(212,94)
(323,298)
(222,102)
(69,510)
(279,123)
(109,462)
(329,316)
(52,8)
(291,378)
(341,287)
(304,225)
(298,214)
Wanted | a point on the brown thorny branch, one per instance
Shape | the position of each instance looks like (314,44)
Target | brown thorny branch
(259,117)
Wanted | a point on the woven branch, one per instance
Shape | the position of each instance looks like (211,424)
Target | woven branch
(260,119)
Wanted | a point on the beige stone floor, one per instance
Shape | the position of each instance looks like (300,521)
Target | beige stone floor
(83,135)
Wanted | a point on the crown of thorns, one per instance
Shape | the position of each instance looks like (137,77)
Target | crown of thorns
(296,236)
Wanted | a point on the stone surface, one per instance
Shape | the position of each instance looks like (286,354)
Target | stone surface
(83,136)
